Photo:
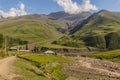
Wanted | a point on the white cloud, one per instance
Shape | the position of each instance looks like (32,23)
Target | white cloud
(14,12)
(74,8)
(22,6)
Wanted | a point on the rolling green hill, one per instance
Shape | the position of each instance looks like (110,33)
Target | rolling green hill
(102,22)
(31,28)
(100,30)
(36,28)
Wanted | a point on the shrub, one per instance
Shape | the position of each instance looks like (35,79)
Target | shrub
(96,41)
(112,41)
(68,41)
(73,44)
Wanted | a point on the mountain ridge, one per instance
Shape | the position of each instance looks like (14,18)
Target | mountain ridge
(34,25)
(71,17)
(100,30)
(94,18)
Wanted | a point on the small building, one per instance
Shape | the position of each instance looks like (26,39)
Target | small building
(49,52)
(13,49)
(24,50)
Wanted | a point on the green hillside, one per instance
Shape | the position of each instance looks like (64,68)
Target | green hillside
(100,30)
(110,55)
(102,22)
(37,29)
(31,28)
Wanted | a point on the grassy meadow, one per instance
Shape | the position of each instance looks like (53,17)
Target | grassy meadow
(46,58)
(108,55)
(31,66)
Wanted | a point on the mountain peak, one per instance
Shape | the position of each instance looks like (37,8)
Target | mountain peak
(103,11)
(71,17)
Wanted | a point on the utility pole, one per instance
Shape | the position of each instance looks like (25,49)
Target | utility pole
(5,44)
(18,47)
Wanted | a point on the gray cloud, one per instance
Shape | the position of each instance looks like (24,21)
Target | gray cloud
(74,8)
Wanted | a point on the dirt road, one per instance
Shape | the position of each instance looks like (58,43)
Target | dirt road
(6,72)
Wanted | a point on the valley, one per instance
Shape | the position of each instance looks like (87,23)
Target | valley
(48,67)
(60,46)
(60,40)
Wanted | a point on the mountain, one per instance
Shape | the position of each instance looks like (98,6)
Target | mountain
(102,22)
(100,30)
(37,27)
(70,17)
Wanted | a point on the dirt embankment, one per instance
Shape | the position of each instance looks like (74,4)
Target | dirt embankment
(93,69)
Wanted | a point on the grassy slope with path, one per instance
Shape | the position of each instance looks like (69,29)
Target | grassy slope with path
(47,67)
(37,67)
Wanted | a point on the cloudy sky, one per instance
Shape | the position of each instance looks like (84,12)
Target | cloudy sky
(23,7)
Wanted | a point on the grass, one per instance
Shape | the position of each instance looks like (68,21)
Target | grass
(109,55)
(55,46)
(1,57)
(57,72)
(41,67)
(2,54)
(58,46)
(31,30)
(46,58)
(27,72)
(101,24)
(10,53)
